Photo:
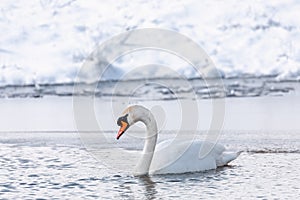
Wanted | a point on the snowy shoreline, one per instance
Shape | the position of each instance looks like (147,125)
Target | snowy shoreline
(150,89)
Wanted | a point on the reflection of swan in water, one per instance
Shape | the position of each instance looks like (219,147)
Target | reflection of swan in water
(173,157)
(150,191)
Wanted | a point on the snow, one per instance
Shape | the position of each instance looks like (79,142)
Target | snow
(47,41)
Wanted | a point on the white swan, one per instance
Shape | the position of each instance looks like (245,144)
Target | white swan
(171,156)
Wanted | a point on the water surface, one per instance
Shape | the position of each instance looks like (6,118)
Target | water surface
(60,167)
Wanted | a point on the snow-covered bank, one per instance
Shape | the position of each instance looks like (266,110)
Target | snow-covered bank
(46,41)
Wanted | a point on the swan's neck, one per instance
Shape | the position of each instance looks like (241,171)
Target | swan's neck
(144,163)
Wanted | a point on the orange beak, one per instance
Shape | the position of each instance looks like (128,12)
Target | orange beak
(122,129)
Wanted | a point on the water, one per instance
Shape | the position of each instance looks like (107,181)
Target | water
(42,156)
(56,165)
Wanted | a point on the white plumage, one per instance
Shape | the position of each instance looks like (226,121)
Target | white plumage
(173,156)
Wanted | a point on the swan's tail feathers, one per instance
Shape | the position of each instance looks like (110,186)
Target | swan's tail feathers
(227,157)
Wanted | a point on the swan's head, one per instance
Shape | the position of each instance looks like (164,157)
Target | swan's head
(124,125)
(130,115)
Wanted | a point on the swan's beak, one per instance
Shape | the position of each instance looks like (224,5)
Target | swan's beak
(123,128)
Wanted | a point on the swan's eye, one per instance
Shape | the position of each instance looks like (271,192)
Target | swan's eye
(119,122)
(123,118)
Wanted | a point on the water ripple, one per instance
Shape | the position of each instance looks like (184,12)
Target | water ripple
(74,174)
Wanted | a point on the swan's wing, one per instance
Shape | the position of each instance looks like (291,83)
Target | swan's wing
(167,152)
(164,144)
(183,156)
(221,156)
(217,148)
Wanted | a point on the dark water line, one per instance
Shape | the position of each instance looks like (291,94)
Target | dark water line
(270,151)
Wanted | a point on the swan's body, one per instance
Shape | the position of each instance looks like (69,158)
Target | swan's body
(178,156)
(188,157)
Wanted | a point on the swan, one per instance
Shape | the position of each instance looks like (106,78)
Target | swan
(171,157)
